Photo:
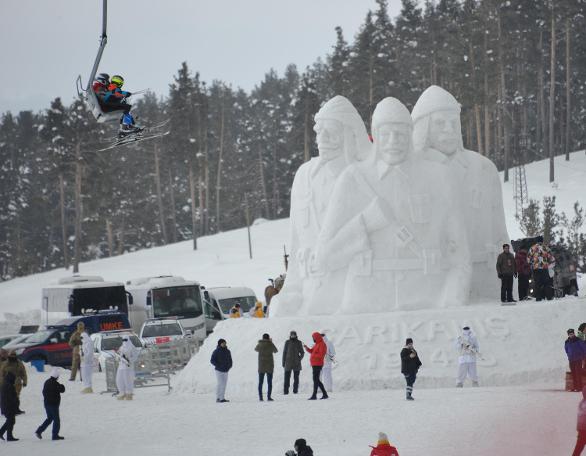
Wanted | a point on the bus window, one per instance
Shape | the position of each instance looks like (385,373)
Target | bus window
(183,302)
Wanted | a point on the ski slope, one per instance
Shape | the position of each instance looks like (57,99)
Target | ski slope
(222,259)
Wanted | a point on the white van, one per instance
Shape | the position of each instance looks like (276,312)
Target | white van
(222,299)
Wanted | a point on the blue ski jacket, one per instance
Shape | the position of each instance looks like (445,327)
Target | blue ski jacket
(575,349)
(222,359)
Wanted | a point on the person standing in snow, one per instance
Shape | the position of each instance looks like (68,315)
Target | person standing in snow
(52,391)
(128,354)
(523,273)
(235,311)
(9,406)
(16,367)
(410,364)
(257,311)
(576,351)
(326,373)
(292,355)
(467,347)
(87,362)
(266,364)
(75,344)
(581,332)
(222,361)
(383,447)
(506,269)
(301,449)
(318,353)
(540,260)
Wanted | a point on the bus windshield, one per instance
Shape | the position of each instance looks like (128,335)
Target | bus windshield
(183,302)
(99,298)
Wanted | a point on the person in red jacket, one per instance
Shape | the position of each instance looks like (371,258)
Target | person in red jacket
(100,86)
(523,273)
(383,447)
(318,353)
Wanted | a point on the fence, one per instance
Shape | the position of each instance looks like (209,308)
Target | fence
(155,364)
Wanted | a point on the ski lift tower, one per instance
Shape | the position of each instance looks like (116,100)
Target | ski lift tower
(521,196)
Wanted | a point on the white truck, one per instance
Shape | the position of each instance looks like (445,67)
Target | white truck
(77,295)
(222,299)
(167,297)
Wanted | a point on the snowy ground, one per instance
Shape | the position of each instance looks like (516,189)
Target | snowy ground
(441,422)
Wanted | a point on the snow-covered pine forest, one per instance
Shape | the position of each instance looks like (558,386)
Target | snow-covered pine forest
(517,68)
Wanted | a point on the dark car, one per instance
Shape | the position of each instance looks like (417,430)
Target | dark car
(52,344)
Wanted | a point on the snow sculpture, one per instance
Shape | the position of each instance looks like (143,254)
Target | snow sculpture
(437,137)
(391,229)
(341,139)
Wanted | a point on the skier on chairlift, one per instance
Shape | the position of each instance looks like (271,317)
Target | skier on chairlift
(115,100)
(100,86)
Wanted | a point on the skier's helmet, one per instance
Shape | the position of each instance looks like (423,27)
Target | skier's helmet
(104,78)
(117,80)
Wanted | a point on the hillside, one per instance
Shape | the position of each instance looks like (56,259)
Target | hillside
(222,259)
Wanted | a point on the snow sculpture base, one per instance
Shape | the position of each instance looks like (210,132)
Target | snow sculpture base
(520,345)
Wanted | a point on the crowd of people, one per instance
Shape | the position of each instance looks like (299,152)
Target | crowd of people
(538,262)
(321,360)
(13,378)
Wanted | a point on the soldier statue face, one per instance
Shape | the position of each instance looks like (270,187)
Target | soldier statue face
(445,132)
(392,142)
(329,138)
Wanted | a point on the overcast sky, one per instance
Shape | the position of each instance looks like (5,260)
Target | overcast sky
(45,44)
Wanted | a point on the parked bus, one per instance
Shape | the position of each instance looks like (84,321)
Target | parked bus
(77,295)
(166,297)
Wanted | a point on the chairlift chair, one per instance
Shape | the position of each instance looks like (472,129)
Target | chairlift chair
(87,93)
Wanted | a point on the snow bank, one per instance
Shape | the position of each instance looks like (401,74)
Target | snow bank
(520,345)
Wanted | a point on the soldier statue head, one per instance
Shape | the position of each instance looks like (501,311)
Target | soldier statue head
(340,131)
(436,122)
(391,131)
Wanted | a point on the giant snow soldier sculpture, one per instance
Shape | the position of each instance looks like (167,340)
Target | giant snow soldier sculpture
(437,137)
(341,139)
(391,224)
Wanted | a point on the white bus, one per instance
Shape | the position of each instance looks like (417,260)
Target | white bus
(166,297)
(77,295)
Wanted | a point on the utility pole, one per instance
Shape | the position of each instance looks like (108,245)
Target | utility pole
(247,214)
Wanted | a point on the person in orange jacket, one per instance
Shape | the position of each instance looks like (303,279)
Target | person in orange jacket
(383,447)
(318,353)
(257,312)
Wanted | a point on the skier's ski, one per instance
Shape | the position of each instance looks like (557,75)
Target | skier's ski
(133,139)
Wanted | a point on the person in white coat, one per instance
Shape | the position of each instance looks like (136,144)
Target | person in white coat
(329,360)
(87,362)
(128,355)
(467,347)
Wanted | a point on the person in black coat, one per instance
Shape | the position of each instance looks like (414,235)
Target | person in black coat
(301,449)
(222,361)
(292,355)
(9,405)
(52,391)
(410,364)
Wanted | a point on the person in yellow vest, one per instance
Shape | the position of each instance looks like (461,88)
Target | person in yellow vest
(75,344)
(235,311)
(257,311)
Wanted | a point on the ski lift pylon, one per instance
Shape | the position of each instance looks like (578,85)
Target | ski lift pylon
(87,93)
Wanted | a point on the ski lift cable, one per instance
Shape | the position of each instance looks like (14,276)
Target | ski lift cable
(103,41)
